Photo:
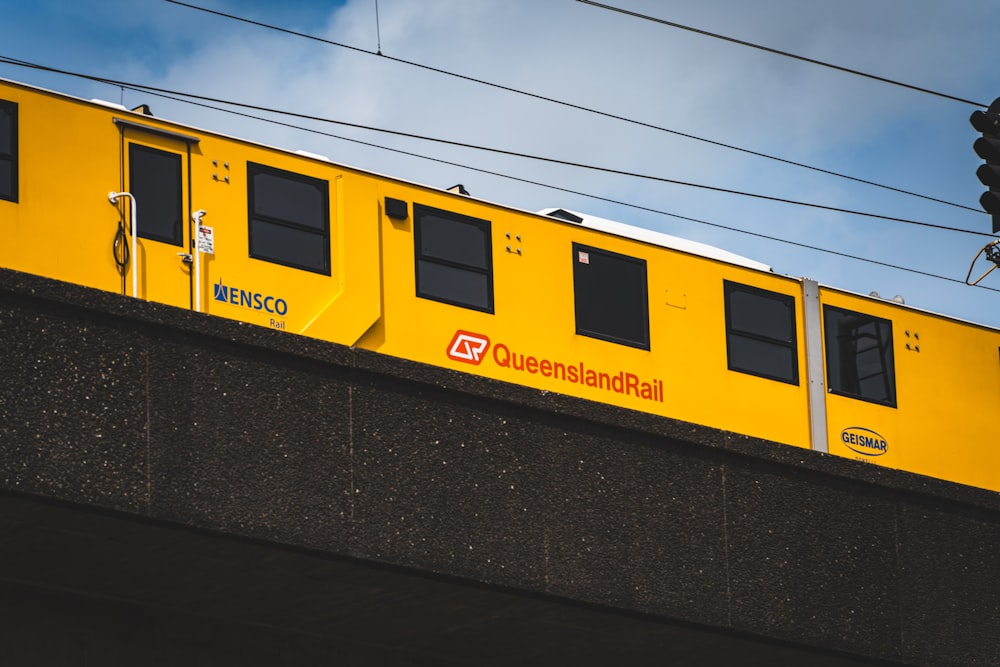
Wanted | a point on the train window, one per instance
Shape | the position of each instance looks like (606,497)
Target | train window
(610,296)
(760,332)
(155,181)
(859,359)
(8,150)
(454,258)
(289,218)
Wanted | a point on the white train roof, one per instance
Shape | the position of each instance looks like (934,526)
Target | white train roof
(652,237)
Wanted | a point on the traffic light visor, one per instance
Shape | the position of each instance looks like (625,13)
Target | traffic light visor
(986,122)
(987,148)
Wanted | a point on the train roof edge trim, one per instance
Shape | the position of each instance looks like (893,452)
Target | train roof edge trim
(314,156)
(589,221)
(658,238)
(593,222)
(105,103)
(902,305)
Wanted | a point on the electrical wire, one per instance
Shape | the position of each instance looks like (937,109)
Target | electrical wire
(558,188)
(578,107)
(785,54)
(119,247)
(448,142)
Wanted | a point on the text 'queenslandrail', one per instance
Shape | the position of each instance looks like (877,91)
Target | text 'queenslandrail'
(472,348)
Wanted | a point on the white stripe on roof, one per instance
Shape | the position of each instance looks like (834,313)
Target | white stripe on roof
(660,239)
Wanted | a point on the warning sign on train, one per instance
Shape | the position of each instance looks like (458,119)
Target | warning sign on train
(206,240)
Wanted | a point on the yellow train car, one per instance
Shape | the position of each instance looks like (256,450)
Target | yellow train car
(95,194)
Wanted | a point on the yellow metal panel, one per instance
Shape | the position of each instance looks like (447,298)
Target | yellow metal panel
(338,307)
(948,398)
(63,226)
(532,335)
(356,304)
(72,155)
(163,275)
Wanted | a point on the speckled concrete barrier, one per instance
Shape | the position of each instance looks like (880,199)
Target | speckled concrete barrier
(171,420)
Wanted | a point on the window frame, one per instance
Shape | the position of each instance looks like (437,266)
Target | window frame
(274,221)
(642,343)
(886,360)
(11,157)
(420,258)
(729,288)
(177,194)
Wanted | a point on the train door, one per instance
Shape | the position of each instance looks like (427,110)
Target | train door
(156,168)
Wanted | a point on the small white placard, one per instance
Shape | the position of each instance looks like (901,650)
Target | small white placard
(206,240)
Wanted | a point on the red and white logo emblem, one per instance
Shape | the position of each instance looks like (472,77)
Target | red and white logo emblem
(468,347)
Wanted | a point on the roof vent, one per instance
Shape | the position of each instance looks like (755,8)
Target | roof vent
(565,215)
(896,299)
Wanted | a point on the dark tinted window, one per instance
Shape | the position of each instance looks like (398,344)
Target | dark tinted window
(760,332)
(155,181)
(285,197)
(859,359)
(454,258)
(8,150)
(610,296)
(289,218)
(454,240)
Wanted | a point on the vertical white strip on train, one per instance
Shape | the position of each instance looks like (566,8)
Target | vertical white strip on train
(814,365)
(204,242)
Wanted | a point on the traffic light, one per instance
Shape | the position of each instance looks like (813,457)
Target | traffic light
(988,148)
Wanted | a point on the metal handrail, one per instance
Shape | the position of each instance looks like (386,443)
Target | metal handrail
(113,198)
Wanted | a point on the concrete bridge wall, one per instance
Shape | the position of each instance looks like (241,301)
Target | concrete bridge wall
(479,509)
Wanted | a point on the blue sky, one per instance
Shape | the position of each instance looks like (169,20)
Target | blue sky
(622,65)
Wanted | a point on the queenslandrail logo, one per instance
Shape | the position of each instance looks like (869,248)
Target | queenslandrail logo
(248,299)
(864,441)
(468,347)
(472,348)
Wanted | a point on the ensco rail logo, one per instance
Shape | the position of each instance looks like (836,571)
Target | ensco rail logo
(248,299)
(864,441)
(468,347)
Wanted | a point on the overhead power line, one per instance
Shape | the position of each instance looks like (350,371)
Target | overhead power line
(579,107)
(180,97)
(786,54)
(499,151)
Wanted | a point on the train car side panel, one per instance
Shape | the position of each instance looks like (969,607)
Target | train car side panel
(296,241)
(928,405)
(661,352)
(62,224)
